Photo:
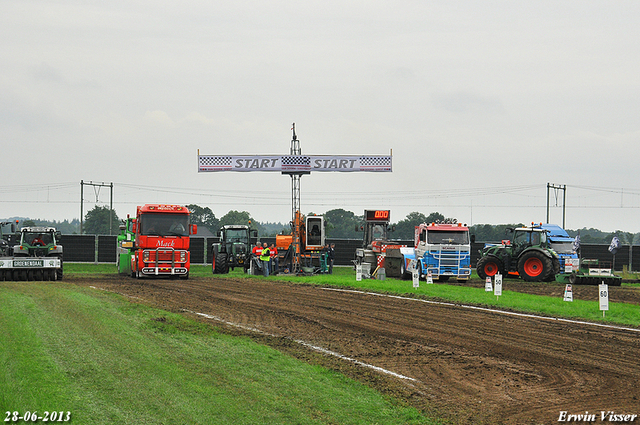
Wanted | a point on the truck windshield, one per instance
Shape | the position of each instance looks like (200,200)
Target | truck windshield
(447,237)
(164,224)
(237,235)
(562,247)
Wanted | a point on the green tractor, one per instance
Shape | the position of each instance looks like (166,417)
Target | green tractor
(234,248)
(7,231)
(527,254)
(42,243)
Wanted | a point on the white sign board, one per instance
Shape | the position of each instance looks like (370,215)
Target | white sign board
(294,163)
(416,278)
(603,291)
(568,293)
(487,285)
(429,278)
(497,290)
(358,272)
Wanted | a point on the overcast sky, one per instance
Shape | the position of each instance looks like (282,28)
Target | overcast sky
(482,104)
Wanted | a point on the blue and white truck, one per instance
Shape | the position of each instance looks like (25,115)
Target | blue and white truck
(442,250)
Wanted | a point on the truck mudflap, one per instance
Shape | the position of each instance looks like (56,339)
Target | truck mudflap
(30,269)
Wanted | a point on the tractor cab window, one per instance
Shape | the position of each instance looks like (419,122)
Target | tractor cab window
(535,238)
(528,238)
(37,238)
(237,235)
(521,238)
(378,232)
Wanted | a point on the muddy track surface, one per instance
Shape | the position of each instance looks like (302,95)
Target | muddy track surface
(470,365)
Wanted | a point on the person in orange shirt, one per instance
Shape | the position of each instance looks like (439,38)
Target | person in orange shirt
(256,251)
(275,262)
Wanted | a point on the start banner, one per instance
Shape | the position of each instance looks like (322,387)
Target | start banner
(294,163)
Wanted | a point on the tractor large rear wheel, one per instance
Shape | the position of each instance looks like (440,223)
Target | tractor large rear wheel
(489,267)
(534,266)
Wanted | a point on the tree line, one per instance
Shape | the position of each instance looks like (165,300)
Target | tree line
(341,224)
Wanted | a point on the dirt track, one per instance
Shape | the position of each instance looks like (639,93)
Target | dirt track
(477,366)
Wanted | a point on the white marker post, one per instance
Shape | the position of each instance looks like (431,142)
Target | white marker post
(415,274)
(497,290)
(568,293)
(429,278)
(603,290)
(358,272)
(487,285)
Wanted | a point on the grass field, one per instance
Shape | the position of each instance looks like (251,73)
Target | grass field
(65,348)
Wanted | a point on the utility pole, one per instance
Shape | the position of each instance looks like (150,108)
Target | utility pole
(82,184)
(564,200)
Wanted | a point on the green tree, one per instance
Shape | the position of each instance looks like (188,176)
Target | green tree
(96,221)
(241,217)
(405,229)
(342,224)
(203,216)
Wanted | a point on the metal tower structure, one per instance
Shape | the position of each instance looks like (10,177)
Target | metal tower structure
(295,165)
(295,203)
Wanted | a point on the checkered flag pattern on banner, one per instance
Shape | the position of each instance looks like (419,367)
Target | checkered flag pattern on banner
(296,161)
(375,161)
(215,162)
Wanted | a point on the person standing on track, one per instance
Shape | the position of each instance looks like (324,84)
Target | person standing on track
(256,251)
(275,263)
(265,259)
(330,256)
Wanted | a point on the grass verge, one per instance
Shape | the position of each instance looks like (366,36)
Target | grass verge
(106,360)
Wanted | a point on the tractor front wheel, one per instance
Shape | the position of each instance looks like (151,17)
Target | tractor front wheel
(489,267)
(534,266)
(220,264)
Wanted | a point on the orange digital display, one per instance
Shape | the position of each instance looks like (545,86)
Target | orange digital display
(376,215)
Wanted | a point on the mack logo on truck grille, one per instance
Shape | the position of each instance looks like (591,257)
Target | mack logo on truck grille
(28,263)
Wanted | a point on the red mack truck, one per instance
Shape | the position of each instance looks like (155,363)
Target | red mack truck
(161,245)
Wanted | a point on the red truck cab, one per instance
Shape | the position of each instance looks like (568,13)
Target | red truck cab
(162,241)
